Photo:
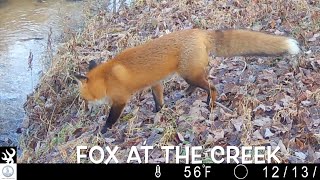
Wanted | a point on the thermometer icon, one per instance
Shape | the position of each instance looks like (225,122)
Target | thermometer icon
(158,173)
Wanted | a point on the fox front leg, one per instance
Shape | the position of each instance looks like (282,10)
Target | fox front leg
(114,115)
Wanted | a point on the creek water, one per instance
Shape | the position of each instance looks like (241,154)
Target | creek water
(24,28)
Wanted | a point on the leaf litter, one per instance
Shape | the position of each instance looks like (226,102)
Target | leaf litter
(272,101)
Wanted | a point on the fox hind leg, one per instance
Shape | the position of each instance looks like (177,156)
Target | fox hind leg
(157,93)
(190,90)
(199,79)
(193,70)
(203,83)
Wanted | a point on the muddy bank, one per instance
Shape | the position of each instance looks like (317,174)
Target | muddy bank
(30,29)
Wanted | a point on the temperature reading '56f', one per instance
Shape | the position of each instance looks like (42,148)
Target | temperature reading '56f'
(197,171)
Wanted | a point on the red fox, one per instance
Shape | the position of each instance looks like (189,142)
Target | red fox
(185,52)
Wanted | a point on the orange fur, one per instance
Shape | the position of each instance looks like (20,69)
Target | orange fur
(184,52)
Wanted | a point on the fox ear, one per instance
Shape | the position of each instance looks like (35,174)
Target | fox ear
(81,78)
(92,64)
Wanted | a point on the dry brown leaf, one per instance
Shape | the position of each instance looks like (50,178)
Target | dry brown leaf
(77,132)
(210,139)
(299,143)
(283,148)
(198,129)
(263,122)
(237,123)
(257,135)
(218,134)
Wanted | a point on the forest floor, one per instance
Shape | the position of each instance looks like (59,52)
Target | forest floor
(268,101)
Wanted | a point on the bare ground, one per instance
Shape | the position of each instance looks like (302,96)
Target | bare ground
(270,101)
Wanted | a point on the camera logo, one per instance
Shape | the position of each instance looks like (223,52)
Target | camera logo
(8,163)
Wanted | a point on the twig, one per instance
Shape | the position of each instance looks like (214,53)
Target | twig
(224,107)
(245,65)
(30,59)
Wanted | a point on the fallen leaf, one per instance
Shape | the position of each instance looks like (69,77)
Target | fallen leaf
(314,38)
(286,100)
(300,155)
(210,139)
(198,110)
(317,155)
(154,137)
(299,143)
(237,123)
(109,140)
(218,134)
(306,103)
(283,148)
(257,135)
(261,106)
(77,132)
(268,133)
(277,107)
(262,122)
(181,138)
(198,129)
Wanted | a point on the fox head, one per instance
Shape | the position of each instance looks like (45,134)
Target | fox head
(92,88)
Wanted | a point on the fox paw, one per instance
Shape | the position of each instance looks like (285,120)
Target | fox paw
(104,130)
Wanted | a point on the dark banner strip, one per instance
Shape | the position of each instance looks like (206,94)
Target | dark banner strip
(167,171)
